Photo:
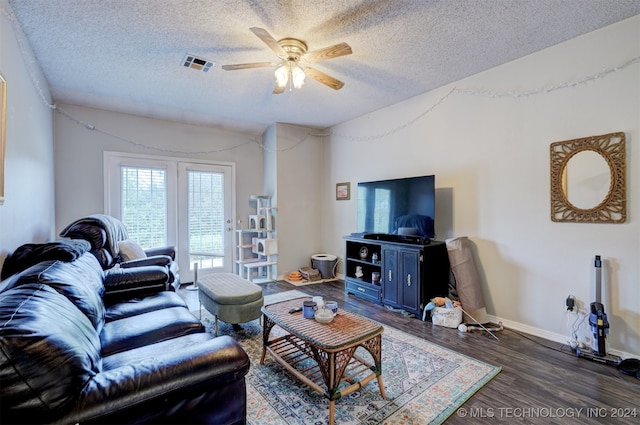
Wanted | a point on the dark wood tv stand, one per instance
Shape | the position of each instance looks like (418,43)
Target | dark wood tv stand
(411,274)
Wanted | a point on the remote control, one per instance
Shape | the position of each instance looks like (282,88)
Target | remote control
(295,310)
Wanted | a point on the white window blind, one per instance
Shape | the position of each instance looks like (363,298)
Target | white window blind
(206,215)
(144,204)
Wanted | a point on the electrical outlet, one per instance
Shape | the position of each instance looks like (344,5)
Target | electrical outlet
(575,305)
(577,323)
(570,302)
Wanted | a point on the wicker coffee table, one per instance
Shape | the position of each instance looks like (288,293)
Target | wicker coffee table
(331,347)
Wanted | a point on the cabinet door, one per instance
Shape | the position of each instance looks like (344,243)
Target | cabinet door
(390,281)
(410,280)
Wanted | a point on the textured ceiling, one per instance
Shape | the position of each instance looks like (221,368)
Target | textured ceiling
(126,55)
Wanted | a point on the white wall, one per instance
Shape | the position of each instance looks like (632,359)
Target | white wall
(79,155)
(270,164)
(490,156)
(28,212)
(300,205)
(294,164)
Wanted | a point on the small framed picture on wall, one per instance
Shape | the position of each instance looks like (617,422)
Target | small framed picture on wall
(343,191)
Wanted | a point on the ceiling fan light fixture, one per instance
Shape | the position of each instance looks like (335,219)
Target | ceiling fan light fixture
(282,76)
(297,76)
(292,52)
(290,72)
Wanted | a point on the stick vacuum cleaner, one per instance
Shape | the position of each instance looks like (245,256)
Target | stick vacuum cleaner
(599,325)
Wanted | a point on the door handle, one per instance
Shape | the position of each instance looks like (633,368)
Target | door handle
(409,279)
(389,275)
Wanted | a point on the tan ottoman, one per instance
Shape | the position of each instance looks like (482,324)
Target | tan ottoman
(230,298)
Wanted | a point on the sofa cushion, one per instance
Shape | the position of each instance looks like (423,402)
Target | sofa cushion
(48,352)
(135,306)
(130,250)
(30,275)
(80,281)
(151,351)
(147,328)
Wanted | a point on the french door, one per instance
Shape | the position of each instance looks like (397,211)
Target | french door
(166,201)
(205,226)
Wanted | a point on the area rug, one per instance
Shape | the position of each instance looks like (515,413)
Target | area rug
(424,383)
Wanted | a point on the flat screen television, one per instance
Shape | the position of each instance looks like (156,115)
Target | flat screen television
(404,206)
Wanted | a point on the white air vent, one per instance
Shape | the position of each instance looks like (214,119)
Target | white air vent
(192,61)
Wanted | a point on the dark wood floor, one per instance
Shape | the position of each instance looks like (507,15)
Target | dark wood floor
(541,382)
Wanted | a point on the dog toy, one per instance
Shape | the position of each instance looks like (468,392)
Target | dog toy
(480,328)
(441,301)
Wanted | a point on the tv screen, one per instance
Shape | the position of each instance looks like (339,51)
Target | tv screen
(400,206)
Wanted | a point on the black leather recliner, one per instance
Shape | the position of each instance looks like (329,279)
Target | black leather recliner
(66,357)
(105,233)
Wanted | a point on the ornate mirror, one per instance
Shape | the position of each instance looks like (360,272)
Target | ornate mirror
(588,180)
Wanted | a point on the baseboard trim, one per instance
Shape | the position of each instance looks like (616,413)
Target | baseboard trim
(551,336)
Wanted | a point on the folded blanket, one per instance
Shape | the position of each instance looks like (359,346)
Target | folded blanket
(114,228)
(29,254)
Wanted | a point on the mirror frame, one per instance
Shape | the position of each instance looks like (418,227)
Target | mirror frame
(613,208)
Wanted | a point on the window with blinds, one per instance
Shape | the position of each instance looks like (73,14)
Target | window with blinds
(206,218)
(144,204)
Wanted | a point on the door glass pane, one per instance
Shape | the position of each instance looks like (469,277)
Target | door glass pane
(206,218)
(144,205)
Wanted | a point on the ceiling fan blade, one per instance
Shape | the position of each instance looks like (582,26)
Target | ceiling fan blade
(248,65)
(278,89)
(335,51)
(269,41)
(323,78)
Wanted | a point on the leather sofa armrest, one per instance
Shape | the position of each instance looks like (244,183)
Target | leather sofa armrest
(155,260)
(165,250)
(126,283)
(158,260)
(125,394)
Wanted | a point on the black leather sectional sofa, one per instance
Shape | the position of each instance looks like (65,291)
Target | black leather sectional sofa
(69,357)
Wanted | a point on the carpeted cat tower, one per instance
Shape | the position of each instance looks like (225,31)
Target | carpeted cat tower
(467,280)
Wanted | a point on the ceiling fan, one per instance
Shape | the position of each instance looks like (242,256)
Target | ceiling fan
(294,59)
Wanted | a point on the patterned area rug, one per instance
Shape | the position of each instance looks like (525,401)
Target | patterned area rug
(424,383)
